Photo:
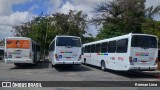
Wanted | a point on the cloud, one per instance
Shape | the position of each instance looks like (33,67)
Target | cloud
(6,22)
(6,6)
(87,6)
(66,7)
(54,5)
(33,8)
(8,18)
(15,18)
(152,3)
(5,31)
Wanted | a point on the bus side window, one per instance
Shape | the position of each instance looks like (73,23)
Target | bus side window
(88,49)
(52,46)
(33,47)
(85,49)
(158,55)
(112,47)
(104,47)
(93,48)
(49,48)
(37,48)
(122,46)
(82,50)
(98,46)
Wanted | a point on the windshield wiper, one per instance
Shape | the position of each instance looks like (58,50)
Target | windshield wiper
(145,47)
(68,46)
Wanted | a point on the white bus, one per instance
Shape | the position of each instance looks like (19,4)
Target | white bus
(123,53)
(21,50)
(1,49)
(65,50)
(1,53)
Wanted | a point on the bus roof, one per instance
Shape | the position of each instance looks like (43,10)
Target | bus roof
(116,38)
(17,38)
(66,36)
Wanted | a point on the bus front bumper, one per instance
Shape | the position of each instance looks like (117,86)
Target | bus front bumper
(68,62)
(18,61)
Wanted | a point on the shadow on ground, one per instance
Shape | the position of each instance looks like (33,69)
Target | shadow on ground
(133,74)
(39,65)
(68,68)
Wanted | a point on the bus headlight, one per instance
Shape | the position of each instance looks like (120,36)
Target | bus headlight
(56,57)
(131,61)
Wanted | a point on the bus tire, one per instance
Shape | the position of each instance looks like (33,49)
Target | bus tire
(103,66)
(17,64)
(51,64)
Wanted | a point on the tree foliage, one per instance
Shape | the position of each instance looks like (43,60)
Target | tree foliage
(152,11)
(119,17)
(45,28)
(151,27)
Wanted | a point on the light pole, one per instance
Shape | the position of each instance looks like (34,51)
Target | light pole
(45,39)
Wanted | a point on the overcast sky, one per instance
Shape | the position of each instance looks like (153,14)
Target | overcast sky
(14,12)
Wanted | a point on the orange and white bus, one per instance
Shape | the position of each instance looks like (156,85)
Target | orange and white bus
(21,50)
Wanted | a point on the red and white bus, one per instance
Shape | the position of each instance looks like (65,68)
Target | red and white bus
(65,50)
(123,53)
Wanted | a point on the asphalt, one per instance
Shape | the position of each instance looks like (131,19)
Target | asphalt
(43,71)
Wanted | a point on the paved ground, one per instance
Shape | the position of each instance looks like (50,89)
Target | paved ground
(44,72)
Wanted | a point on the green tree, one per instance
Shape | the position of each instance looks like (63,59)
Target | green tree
(151,11)
(119,17)
(43,29)
(151,27)
(73,23)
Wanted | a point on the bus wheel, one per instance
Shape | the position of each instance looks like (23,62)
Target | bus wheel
(103,66)
(51,64)
(17,64)
(85,62)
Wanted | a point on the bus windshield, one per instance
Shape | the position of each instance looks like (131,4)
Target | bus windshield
(144,41)
(68,41)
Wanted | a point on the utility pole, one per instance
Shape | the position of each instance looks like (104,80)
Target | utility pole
(45,38)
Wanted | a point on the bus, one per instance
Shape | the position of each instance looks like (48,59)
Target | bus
(1,49)
(21,51)
(65,50)
(1,53)
(123,53)
(158,59)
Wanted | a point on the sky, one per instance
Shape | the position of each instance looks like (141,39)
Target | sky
(15,12)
